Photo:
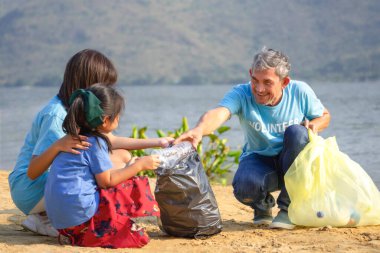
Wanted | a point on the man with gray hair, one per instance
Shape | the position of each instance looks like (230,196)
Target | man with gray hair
(275,113)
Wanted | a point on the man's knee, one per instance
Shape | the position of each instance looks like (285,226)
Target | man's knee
(296,135)
(249,190)
(246,198)
(248,201)
(243,189)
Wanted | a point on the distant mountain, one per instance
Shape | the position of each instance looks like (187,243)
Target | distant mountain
(189,42)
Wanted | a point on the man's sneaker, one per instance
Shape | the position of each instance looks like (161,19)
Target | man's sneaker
(282,221)
(39,224)
(263,217)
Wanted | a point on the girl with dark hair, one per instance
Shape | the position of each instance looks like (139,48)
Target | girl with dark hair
(88,200)
(46,139)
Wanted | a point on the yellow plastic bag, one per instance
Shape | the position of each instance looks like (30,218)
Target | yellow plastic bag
(327,188)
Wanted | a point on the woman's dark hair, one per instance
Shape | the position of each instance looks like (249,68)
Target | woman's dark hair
(112,104)
(84,69)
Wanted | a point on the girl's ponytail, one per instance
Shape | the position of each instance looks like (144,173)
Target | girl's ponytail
(75,122)
(89,107)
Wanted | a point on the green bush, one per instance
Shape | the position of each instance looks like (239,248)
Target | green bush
(217,158)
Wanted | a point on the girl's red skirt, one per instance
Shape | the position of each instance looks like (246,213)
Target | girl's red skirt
(112,226)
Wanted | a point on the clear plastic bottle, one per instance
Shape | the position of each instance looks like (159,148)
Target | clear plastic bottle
(354,219)
(170,156)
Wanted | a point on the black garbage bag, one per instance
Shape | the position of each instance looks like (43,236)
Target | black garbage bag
(187,203)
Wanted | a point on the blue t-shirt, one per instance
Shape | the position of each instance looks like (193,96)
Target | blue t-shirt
(46,129)
(264,126)
(71,196)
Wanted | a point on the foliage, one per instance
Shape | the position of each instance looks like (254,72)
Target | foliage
(139,133)
(217,158)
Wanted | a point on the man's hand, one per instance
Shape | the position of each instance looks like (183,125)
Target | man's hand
(208,123)
(310,125)
(193,135)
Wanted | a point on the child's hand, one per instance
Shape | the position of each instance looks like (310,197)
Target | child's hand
(165,141)
(150,162)
(70,144)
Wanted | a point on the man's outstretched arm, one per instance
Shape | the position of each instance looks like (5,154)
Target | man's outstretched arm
(209,122)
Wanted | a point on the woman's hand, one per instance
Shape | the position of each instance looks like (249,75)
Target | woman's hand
(39,164)
(71,144)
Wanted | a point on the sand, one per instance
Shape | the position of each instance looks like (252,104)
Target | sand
(238,235)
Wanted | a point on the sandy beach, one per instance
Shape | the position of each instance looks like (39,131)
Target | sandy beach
(238,235)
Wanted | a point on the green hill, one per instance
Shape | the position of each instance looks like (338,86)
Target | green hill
(189,42)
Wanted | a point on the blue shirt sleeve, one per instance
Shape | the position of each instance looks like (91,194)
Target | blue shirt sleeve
(312,105)
(232,100)
(49,132)
(100,160)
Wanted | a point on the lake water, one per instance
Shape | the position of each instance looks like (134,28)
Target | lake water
(355,110)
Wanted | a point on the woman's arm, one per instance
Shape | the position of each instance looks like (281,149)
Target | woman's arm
(133,144)
(39,164)
(114,177)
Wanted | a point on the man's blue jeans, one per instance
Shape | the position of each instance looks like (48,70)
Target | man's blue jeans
(257,176)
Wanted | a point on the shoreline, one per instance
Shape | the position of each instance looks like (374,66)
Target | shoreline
(238,235)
